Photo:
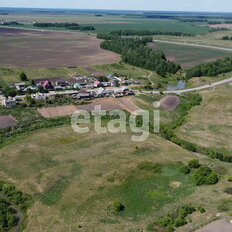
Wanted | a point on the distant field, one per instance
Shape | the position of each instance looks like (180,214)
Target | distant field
(188,56)
(23,48)
(211,123)
(107,23)
(211,39)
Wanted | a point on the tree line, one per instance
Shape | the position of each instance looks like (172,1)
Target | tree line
(68,26)
(147,33)
(211,69)
(134,51)
(227,38)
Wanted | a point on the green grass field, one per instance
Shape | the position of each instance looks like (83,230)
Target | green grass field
(210,124)
(108,23)
(76,178)
(211,39)
(188,56)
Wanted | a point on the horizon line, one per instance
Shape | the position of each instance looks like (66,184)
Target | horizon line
(85,9)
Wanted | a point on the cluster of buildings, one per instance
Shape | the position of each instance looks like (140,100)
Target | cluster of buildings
(79,87)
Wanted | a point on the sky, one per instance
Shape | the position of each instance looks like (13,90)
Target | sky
(162,5)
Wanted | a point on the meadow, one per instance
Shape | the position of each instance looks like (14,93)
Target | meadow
(211,39)
(188,56)
(75,179)
(210,124)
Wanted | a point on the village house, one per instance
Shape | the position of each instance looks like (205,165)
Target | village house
(9,102)
(20,85)
(38,96)
(47,85)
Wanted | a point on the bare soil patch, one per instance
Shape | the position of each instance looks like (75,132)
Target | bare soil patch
(106,104)
(169,103)
(111,104)
(52,112)
(7,121)
(45,49)
(175,184)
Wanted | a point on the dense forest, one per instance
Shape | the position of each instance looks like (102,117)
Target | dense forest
(68,26)
(134,51)
(147,33)
(211,69)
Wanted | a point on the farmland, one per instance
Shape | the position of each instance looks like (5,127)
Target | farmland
(188,56)
(110,22)
(60,49)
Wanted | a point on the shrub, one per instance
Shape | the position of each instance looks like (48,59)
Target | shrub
(184,169)
(180,222)
(186,210)
(205,176)
(201,209)
(118,206)
(194,163)
(229,178)
(228,190)
(166,221)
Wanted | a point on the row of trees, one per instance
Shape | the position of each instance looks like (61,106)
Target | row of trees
(147,33)
(68,26)
(210,69)
(227,37)
(135,52)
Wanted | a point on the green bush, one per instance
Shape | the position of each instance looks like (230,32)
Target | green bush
(180,222)
(194,163)
(118,206)
(229,178)
(201,209)
(205,176)
(186,210)
(184,169)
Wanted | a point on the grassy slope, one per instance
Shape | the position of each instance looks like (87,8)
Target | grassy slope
(210,124)
(75,178)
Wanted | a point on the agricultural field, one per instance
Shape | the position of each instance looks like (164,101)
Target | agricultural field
(189,56)
(211,39)
(210,124)
(76,178)
(108,23)
(42,49)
